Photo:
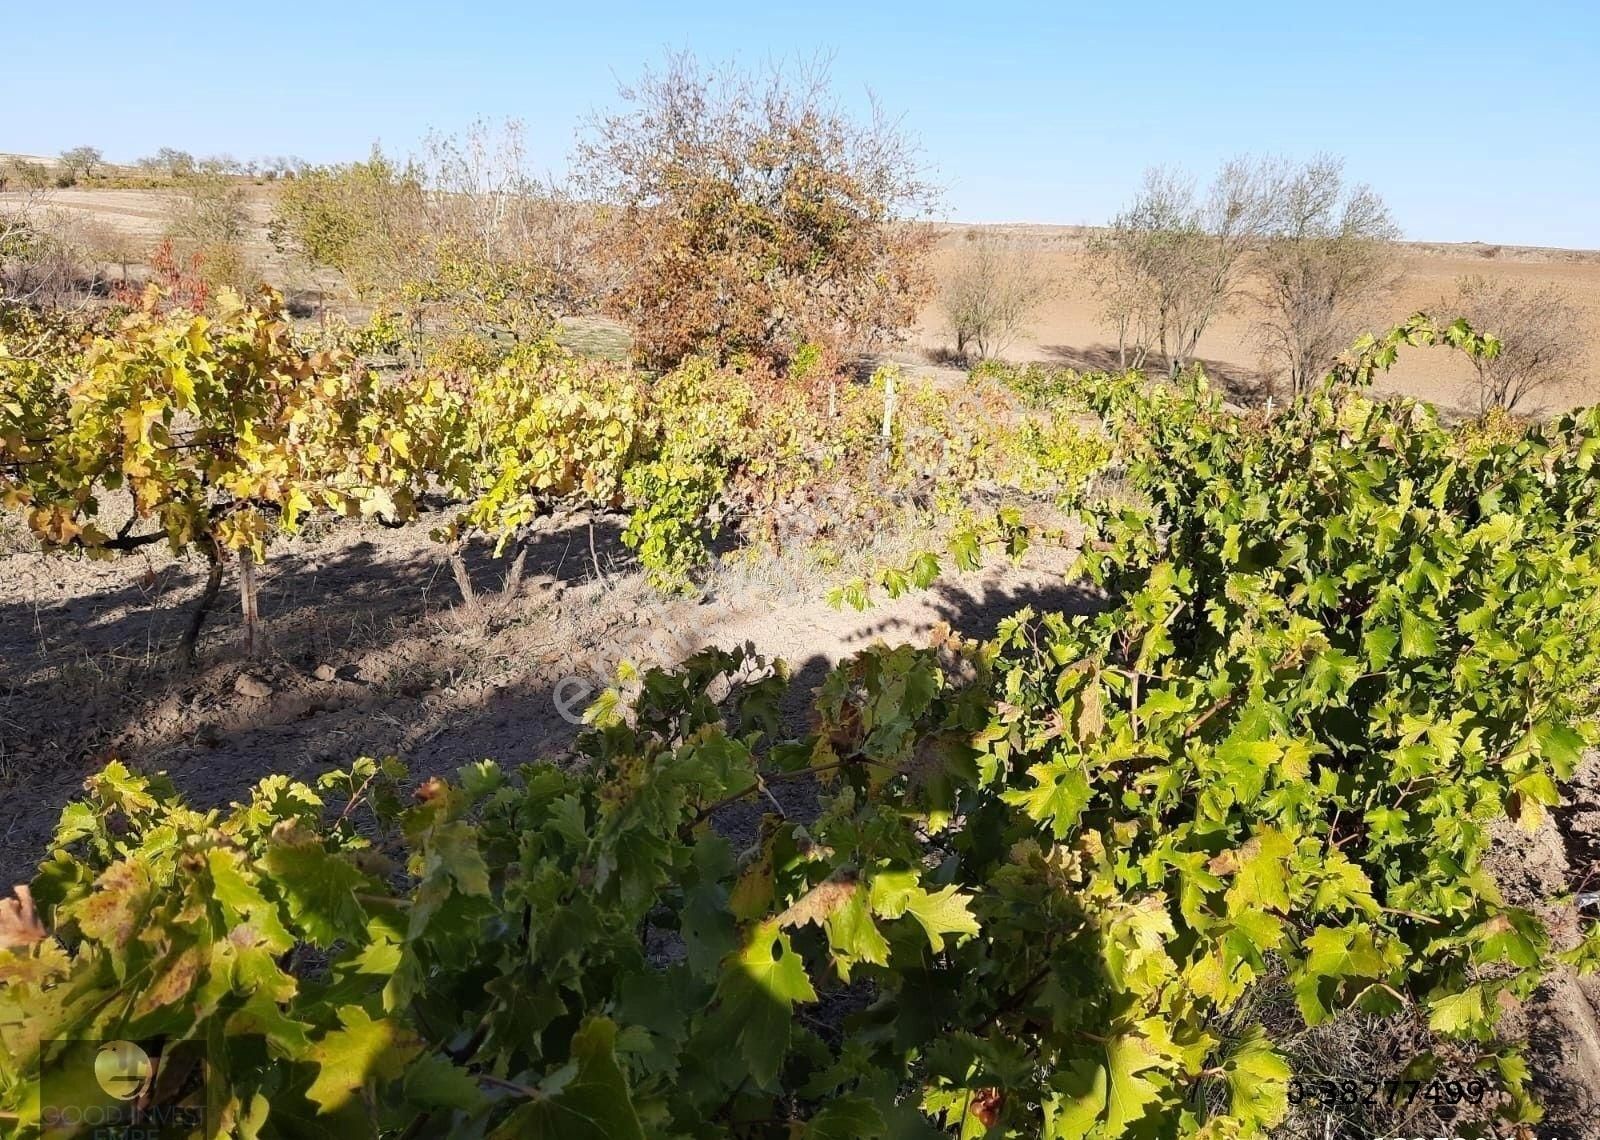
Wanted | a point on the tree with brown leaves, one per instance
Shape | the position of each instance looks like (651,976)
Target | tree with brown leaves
(751,214)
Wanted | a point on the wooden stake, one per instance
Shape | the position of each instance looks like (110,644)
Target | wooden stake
(888,412)
(247,600)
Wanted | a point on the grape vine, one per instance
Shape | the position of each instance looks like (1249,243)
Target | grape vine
(1044,880)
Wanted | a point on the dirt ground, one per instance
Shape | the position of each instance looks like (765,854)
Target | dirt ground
(371,652)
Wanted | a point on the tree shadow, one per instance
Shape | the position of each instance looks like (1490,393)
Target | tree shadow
(77,675)
(413,681)
(1241,384)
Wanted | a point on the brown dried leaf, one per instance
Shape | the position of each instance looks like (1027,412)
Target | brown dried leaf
(817,904)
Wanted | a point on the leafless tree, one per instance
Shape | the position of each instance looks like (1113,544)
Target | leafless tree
(43,261)
(222,164)
(283,165)
(1540,332)
(485,203)
(492,227)
(995,288)
(1327,250)
(1124,294)
(109,244)
(1170,262)
(80,161)
(18,236)
(169,161)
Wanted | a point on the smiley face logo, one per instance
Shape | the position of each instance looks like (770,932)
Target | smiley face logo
(123,1069)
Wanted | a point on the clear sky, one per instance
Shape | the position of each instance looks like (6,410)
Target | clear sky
(1476,121)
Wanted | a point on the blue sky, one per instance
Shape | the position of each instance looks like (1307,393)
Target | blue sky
(1475,121)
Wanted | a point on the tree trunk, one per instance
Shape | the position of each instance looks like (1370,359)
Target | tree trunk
(458,567)
(594,557)
(189,646)
(513,579)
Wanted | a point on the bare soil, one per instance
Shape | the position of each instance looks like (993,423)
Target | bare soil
(87,668)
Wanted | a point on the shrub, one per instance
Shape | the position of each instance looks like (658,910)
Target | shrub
(464,237)
(27,175)
(1539,330)
(208,219)
(994,290)
(751,216)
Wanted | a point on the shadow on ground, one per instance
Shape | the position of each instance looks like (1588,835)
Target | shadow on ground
(371,654)
(1241,384)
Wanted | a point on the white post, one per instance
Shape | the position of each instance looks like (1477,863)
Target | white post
(888,411)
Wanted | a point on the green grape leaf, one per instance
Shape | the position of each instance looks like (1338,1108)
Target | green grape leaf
(1129,1093)
(363,1051)
(848,1118)
(1060,793)
(434,1082)
(588,1099)
(320,888)
(758,988)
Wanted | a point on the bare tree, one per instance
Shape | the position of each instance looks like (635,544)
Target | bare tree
(80,161)
(112,245)
(43,261)
(1124,293)
(18,244)
(169,161)
(1327,250)
(1540,332)
(222,164)
(496,226)
(996,287)
(21,174)
(1170,262)
(283,166)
